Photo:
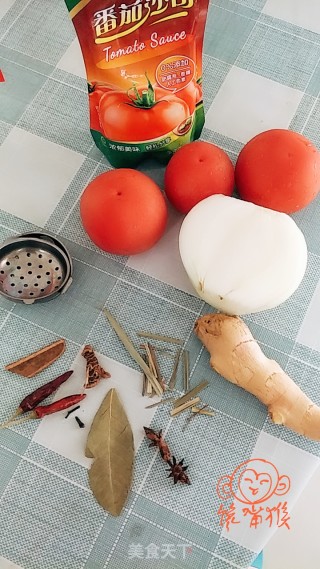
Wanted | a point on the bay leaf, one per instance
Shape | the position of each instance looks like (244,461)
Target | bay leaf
(110,444)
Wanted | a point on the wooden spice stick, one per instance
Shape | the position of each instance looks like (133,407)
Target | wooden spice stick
(161,338)
(132,351)
(191,393)
(186,370)
(202,411)
(162,402)
(184,406)
(173,378)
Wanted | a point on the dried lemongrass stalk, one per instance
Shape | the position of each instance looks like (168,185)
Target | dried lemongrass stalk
(192,416)
(144,384)
(150,360)
(186,370)
(202,411)
(160,338)
(154,361)
(184,406)
(164,351)
(147,387)
(173,378)
(150,390)
(191,393)
(132,351)
(154,366)
(162,402)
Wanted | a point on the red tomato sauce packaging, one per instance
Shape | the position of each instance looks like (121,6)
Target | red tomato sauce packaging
(143,60)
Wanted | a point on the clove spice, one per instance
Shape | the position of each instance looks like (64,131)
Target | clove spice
(80,423)
(72,411)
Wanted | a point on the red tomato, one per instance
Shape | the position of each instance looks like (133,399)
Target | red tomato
(191,94)
(280,170)
(122,120)
(94,99)
(196,171)
(123,211)
(161,93)
(96,90)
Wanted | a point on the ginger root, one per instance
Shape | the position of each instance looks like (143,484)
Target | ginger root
(236,356)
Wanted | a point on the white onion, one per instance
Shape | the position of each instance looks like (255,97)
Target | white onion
(240,257)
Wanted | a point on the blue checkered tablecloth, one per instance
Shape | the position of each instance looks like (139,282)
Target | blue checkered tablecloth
(261,71)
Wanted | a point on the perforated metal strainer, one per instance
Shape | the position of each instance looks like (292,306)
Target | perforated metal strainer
(34,267)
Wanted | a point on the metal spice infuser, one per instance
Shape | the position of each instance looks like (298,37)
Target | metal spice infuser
(34,267)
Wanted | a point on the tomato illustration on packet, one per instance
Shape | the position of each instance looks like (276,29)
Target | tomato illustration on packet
(144,69)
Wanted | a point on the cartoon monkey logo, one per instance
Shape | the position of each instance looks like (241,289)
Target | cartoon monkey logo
(253,482)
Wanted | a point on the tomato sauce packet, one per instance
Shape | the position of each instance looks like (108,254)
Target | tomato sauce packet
(143,60)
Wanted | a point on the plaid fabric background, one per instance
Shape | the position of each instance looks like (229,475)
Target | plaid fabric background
(261,70)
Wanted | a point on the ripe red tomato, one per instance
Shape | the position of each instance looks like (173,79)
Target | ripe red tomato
(191,94)
(123,211)
(280,170)
(124,121)
(96,90)
(196,171)
(94,99)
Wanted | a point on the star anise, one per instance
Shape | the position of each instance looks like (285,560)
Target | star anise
(177,471)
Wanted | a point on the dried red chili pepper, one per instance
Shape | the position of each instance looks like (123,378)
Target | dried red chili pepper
(158,441)
(43,410)
(38,395)
(34,398)
(60,405)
